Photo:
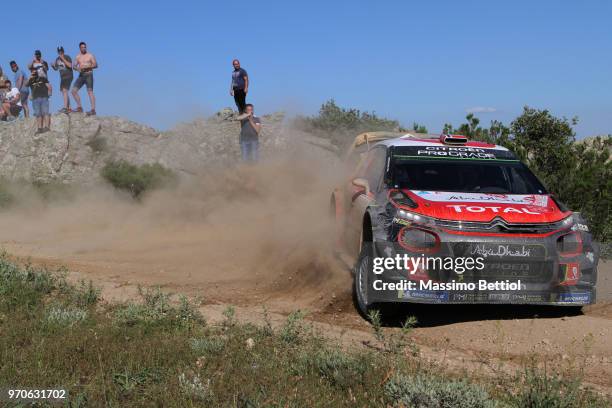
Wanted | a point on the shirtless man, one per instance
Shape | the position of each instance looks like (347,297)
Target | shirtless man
(84,64)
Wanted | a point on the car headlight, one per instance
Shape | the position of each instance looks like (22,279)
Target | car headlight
(415,218)
(575,222)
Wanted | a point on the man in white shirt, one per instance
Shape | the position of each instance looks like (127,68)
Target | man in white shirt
(11,105)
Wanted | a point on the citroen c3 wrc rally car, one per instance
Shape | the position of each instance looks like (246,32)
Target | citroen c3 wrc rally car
(446,197)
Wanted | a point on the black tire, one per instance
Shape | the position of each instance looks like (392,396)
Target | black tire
(361,276)
(362,272)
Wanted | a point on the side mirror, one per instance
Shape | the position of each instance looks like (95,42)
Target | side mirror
(362,183)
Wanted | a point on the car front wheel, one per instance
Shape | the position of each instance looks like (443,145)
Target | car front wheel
(361,280)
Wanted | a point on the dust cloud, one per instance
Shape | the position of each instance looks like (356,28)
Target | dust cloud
(233,232)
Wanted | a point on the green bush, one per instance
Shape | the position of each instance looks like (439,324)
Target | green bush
(541,389)
(207,345)
(338,367)
(156,308)
(137,179)
(65,316)
(341,125)
(432,392)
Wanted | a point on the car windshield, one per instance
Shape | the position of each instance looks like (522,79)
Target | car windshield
(469,176)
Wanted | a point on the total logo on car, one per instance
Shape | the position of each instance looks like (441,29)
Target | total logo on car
(449,199)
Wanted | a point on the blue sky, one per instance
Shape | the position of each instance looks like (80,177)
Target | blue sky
(421,61)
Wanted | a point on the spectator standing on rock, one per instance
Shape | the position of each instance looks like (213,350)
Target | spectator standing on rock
(41,91)
(21,83)
(63,63)
(250,126)
(240,86)
(11,105)
(85,64)
(39,64)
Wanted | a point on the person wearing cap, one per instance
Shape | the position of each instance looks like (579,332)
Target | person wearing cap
(39,64)
(41,91)
(63,63)
(21,83)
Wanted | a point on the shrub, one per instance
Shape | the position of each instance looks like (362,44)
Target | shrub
(541,389)
(207,345)
(156,308)
(191,385)
(422,391)
(85,294)
(137,179)
(292,330)
(338,367)
(65,316)
(25,286)
(341,125)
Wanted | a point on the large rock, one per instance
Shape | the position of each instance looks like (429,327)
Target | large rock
(77,147)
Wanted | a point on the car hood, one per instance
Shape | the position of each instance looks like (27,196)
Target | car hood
(484,207)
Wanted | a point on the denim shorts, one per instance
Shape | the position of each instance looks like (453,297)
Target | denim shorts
(40,106)
(24,94)
(85,78)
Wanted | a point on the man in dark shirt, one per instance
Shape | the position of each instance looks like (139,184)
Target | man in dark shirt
(41,91)
(250,126)
(63,63)
(240,86)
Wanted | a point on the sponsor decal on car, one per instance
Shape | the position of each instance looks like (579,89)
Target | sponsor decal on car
(575,297)
(460,208)
(506,250)
(401,221)
(452,152)
(580,227)
(456,152)
(426,294)
(441,196)
(571,273)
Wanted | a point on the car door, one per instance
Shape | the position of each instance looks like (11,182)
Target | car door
(373,170)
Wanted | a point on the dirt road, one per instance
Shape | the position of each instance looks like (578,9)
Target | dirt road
(252,237)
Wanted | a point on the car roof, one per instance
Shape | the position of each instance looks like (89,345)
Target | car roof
(409,139)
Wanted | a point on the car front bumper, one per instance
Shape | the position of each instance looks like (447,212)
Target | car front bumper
(517,270)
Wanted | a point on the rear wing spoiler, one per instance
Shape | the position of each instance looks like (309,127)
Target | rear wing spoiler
(370,138)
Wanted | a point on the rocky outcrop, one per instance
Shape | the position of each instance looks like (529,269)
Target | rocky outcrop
(77,147)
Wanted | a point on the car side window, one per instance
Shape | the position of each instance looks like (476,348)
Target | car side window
(375,168)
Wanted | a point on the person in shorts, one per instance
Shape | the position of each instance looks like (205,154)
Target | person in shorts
(41,90)
(21,83)
(84,64)
(11,105)
(63,63)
